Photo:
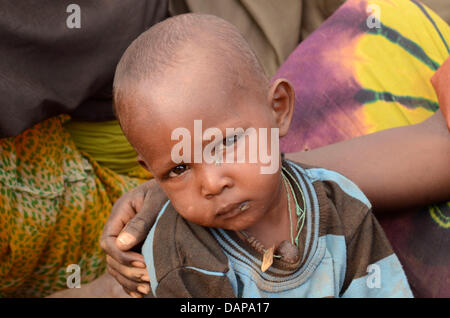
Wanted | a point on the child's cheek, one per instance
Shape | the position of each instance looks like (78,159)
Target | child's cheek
(190,212)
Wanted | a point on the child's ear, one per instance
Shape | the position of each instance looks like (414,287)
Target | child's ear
(282,99)
(141,161)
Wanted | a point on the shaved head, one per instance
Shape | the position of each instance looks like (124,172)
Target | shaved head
(191,85)
(172,43)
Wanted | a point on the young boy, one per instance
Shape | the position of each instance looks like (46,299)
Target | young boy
(238,228)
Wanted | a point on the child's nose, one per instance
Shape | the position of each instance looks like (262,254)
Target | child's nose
(214,180)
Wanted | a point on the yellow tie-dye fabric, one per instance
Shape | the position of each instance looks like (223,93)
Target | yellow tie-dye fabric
(366,69)
(406,75)
(54,201)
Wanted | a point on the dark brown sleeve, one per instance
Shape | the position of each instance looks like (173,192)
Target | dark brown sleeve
(368,250)
(187,260)
(367,245)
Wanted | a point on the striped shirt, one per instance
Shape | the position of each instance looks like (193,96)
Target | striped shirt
(343,251)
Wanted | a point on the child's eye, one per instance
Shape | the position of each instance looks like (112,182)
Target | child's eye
(178,170)
(230,140)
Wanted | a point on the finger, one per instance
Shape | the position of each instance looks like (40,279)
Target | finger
(132,294)
(130,287)
(127,258)
(138,275)
(137,228)
(144,289)
(123,210)
(113,226)
(126,290)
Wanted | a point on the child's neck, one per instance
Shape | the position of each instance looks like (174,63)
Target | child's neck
(275,226)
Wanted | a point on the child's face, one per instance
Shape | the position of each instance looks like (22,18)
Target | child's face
(232,196)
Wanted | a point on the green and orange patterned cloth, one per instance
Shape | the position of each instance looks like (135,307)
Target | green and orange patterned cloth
(54,201)
(368,68)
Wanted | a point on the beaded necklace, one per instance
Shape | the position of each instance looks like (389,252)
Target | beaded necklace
(288,250)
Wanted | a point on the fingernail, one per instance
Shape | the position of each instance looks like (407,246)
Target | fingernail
(135,295)
(143,289)
(138,264)
(145,278)
(125,238)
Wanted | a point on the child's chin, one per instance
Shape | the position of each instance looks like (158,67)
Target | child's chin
(237,227)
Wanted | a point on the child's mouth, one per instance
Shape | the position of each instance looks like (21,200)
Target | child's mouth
(232,210)
(244,206)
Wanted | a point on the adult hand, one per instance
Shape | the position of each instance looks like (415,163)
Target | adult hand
(128,225)
(441,83)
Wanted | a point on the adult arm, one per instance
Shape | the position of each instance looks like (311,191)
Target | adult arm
(396,168)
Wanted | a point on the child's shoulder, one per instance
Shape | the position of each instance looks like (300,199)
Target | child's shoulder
(350,232)
(331,181)
(341,203)
(174,243)
(185,240)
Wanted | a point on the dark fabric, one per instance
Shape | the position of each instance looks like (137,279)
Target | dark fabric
(422,245)
(366,240)
(47,68)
